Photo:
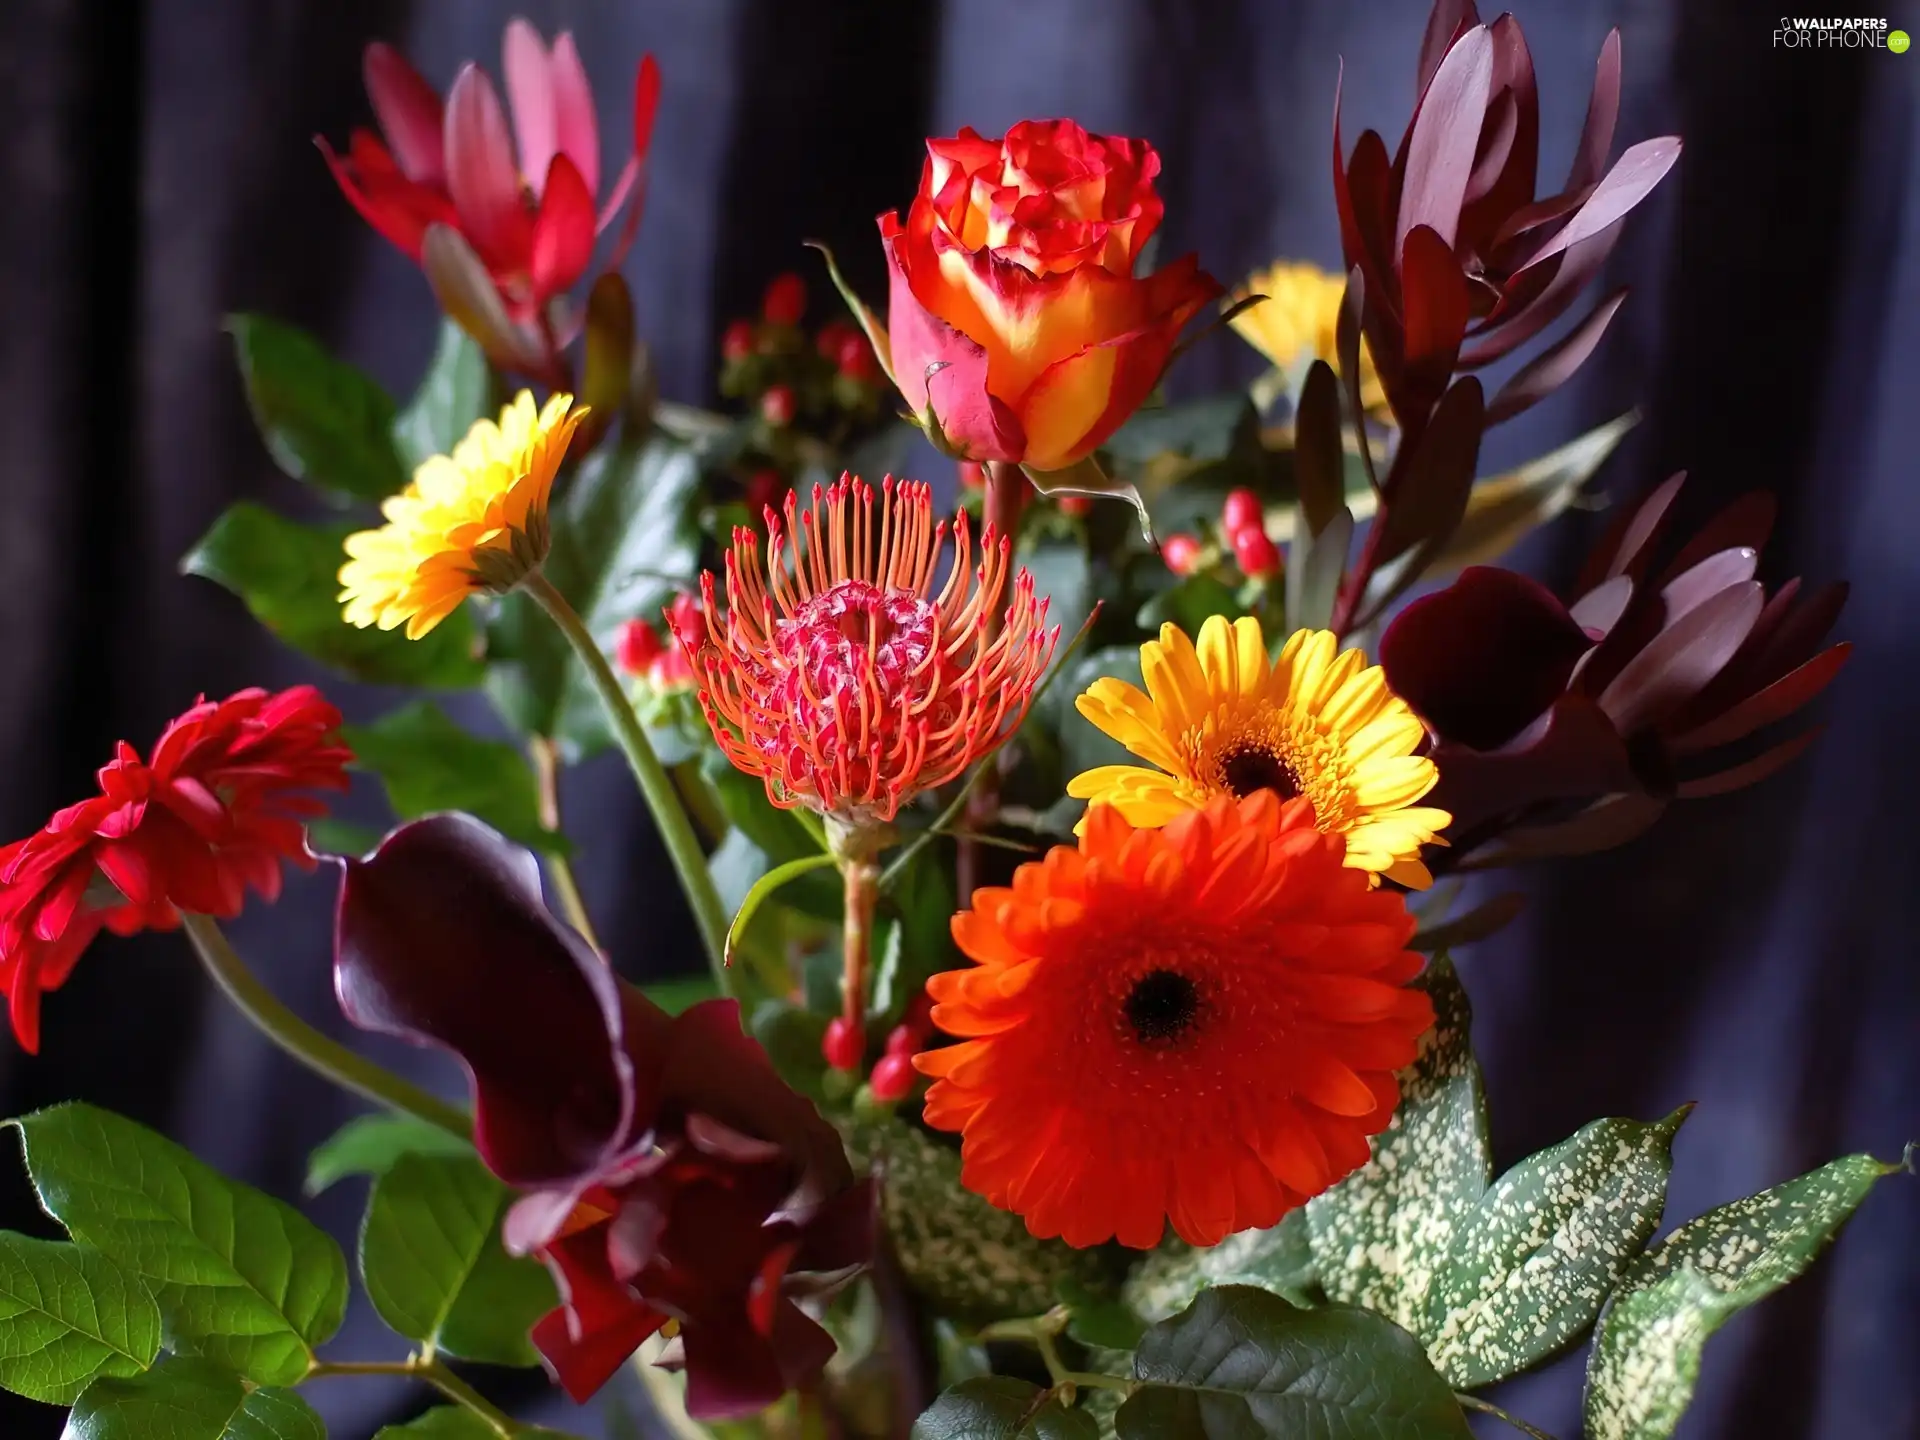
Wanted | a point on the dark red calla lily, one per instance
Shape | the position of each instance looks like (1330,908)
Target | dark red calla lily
(501,229)
(1561,727)
(669,1174)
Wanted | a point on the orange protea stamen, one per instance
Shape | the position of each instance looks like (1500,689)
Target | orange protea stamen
(839,676)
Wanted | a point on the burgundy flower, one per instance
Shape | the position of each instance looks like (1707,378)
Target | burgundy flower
(1560,727)
(669,1174)
(501,229)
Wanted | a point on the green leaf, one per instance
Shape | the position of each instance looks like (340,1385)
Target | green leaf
(69,1315)
(434,1267)
(428,763)
(288,575)
(917,943)
(242,1279)
(1646,1353)
(329,836)
(1188,603)
(1279,1259)
(1099,1322)
(1206,429)
(450,1422)
(324,421)
(1063,577)
(625,541)
(190,1399)
(763,890)
(999,1407)
(1531,1266)
(458,388)
(370,1144)
(1082,746)
(791,1036)
(1379,1237)
(683,992)
(1240,1363)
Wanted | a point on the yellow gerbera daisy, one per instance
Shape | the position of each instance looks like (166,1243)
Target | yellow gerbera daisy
(1298,320)
(475,520)
(1221,719)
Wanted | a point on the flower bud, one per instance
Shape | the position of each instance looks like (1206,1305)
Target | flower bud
(736,342)
(843,1045)
(1182,554)
(1241,512)
(778,405)
(785,300)
(1257,555)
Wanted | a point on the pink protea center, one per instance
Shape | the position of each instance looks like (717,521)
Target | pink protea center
(840,677)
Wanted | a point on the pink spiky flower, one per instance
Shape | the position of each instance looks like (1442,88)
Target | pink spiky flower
(839,676)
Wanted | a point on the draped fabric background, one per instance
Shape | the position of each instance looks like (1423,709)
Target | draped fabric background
(1755,953)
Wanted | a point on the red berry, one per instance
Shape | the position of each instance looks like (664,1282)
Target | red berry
(973,475)
(1182,554)
(832,336)
(1242,512)
(777,406)
(843,1044)
(1256,553)
(893,1078)
(736,342)
(785,301)
(638,647)
(856,359)
(672,670)
(764,488)
(901,1040)
(1075,505)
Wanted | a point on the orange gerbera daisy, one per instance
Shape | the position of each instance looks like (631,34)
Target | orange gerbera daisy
(1196,1024)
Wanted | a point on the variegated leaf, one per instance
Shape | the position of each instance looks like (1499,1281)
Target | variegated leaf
(1380,1235)
(1531,1266)
(1646,1353)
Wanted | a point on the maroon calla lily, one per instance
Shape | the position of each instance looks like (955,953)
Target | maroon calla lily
(1563,727)
(669,1174)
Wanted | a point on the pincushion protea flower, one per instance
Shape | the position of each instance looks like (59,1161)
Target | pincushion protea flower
(472,521)
(1220,719)
(1197,1025)
(220,805)
(840,677)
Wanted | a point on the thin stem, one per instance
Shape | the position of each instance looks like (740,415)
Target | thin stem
(1487,1407)
(1043,1332)
(432,1372)
(546,776)
(1006,495)
(317,1052)
(656,787)
(861,879)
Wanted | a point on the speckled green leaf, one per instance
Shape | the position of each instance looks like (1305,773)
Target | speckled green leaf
(1242,1364)
(1531,1266)
(1280,1260)
(962,1255)
(1379,1235)
(187,1399)
(241,1279)
(1646,1353)
(431,1257)
(69,1315)
(999,1407)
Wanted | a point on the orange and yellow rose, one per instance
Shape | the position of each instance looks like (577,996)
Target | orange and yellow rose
(1018,329)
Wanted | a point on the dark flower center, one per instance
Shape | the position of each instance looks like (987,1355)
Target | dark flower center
(1246,772)
(1162,1006)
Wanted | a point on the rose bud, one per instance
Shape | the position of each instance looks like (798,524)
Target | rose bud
(1256,553)
(736,342)
(1019,331)
(785,301)
(777,406)
(1242,512)
(1182,554)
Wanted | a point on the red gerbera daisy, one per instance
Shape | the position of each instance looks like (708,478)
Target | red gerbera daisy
(1198,1023)
(216,810)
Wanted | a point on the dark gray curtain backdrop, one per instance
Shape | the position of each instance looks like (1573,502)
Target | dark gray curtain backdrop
(1756,953)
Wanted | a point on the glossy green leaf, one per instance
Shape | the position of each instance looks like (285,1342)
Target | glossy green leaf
(69,1315)
(1187,603)
(370,1144)
(682,992)
(1531,1265)
(434,1267)
(190,1399)
(428,763)
(458,388)
(625,542)
(999,1407)
(324,421)
(1242,1364)
(289,576)
(1279,1259)
(242,1279)
(764,889)
(1100,1322)
(1379,1237)
(1646,1353)
(1205,429)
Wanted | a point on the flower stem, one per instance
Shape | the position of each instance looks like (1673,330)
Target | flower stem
(1487,1407)
(434,1373)
(546,774)
(319,1053)
(861,879)
(656,787)
(1006,497)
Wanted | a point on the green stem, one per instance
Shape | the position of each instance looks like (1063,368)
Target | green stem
(656,787)
(431,1371)
(317,1052)
(1487,1407)
(546,774)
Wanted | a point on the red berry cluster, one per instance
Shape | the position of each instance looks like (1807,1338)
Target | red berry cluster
(645,653)
(893,1077)
(792,378)
(1243,527)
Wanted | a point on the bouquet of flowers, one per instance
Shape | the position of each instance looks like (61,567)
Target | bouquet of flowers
(1077,1050)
